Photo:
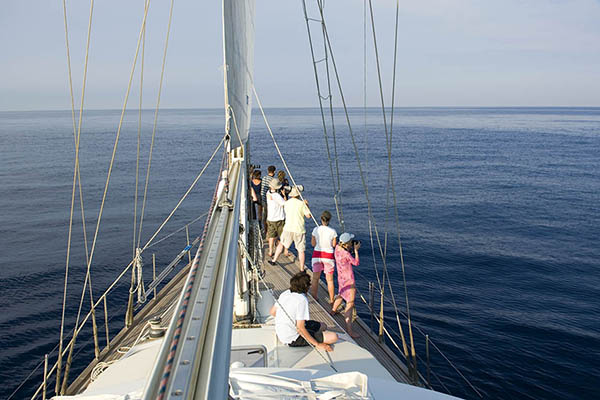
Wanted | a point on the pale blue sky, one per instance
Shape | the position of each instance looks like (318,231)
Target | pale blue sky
(451,53)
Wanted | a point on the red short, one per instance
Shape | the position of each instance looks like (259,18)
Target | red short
(323,261)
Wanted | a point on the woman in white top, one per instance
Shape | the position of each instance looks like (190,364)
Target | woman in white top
(324,239)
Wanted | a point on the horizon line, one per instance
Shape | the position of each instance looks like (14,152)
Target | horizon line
(307,107)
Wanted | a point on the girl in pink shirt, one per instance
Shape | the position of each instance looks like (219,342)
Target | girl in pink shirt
(346,289)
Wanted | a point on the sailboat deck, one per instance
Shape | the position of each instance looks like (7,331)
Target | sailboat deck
(278,278)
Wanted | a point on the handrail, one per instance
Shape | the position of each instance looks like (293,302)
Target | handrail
(75,331)
(385,329)
(206,303)
(102,298)
(81,325)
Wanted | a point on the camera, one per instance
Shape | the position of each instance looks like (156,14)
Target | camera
(355,242)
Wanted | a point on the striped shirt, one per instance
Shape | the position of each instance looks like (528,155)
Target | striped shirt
(264,187)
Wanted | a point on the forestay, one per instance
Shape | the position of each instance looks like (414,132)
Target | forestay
(238,43)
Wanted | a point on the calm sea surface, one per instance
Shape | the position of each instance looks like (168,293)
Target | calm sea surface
(499,219)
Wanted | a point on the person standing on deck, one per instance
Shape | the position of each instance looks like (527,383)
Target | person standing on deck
(324,239)
(292,319)
(264,189)
(346,289)
(284,183)
(282,191)
(275,214)
(293,229)
(255,183)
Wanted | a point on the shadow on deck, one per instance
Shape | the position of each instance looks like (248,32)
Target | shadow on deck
(278,277)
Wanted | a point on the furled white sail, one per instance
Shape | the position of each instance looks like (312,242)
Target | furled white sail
(238,43)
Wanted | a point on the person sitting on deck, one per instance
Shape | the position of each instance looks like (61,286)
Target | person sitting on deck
(324,239)
(346,289)
(292,319)
(293,229)
(275,214)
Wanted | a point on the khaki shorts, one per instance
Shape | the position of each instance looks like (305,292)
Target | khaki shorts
(274,228)
(299,240)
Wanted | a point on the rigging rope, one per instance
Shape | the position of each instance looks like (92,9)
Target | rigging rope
(422,333)
(366,133)
(139,135)
(235,126)
(277,148)
(162,73)
(78,326)
(178,230)
(89,261)
(334,137)
(76,174)
(391,176)
(185,195)
(87,276)
(357,157)
(363,179)
(138,274)
(336,190)
(112,160)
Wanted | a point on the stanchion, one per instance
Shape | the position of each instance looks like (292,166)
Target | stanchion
(154,271)
(45,376)
(371,304)
(106,323)
(381,337)
(427,355)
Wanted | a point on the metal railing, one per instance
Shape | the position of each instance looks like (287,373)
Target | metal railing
(384,331)
(48,379)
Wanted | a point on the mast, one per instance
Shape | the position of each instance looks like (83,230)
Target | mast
(238,55)
(193,362)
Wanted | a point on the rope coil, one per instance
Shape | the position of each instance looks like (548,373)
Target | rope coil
(137,265)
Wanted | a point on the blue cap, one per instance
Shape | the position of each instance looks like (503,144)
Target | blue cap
(346,237)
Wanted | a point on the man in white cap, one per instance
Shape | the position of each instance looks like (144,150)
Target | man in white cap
(293,230)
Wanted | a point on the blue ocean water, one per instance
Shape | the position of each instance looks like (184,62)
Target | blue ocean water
(498,211)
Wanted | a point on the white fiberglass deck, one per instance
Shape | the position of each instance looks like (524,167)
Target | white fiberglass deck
(364,354)
(347,356)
